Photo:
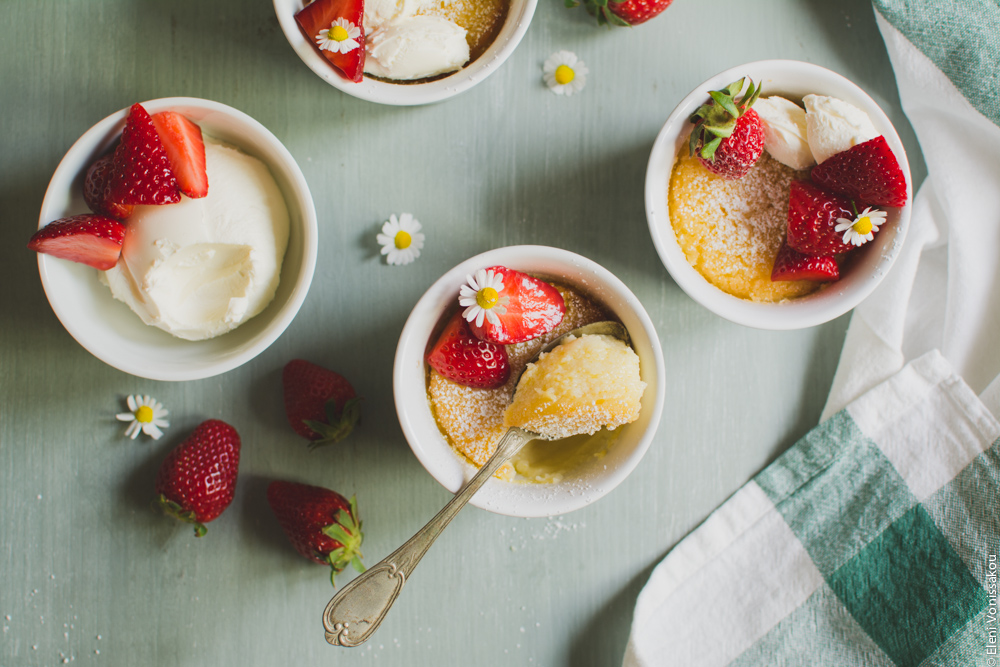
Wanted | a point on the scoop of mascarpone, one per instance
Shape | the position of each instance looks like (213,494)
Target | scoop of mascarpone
(785,133)
(403,45)
(834,125)
(201,267)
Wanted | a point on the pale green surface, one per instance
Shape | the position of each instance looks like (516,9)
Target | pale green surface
(85,565)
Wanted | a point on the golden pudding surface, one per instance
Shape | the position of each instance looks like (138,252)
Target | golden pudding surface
(731,230)
(471,419)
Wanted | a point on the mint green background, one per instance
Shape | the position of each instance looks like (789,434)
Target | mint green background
(81,556)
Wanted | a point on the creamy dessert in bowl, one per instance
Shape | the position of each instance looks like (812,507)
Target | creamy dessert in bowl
(404,52)
(214,291)
(770,245)
(453,427)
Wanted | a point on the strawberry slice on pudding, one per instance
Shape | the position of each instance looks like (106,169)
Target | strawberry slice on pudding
(335,28)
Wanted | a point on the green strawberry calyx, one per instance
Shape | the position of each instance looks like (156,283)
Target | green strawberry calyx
(339,422)
(346,530)
(600,10)
(716,120)
(170,508)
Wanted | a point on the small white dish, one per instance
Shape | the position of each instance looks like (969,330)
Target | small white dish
(790,79)
(449,468)
(519,17)
(107,328)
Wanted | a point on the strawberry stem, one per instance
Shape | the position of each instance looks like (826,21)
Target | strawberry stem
(170,508)
(346,530)
(338,425)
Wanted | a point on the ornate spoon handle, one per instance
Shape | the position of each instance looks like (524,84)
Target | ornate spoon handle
(354,613)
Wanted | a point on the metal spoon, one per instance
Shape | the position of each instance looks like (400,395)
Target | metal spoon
(353,615)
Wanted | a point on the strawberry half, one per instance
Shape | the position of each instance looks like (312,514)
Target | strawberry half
(185,150)
(461,357)
(790,264)
(867,172)
(320,15)
(94,240)
(320,405)
(812,217)
(197,480)
(321,524)
(533,307)
(728,137)
(141,172)
(97,190)
(624,13)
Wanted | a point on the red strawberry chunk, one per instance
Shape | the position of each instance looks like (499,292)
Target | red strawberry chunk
(320,15)
(533,308)
(141,172)
(185,149)
(812,218)
(739,152)
(868,173)
(790,264)
(461,357)
(97,190)
(94,240)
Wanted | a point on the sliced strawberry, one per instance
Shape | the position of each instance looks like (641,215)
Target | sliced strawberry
(868,173)
(533,307)
(185,149)
(812,217)
(790,264)
(321,15)
(141,172)
(465,359)
(94,240)
(97,191)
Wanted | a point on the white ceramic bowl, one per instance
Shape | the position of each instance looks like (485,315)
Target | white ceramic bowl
(451,469)
(107,328)
(791,79)
(519,17)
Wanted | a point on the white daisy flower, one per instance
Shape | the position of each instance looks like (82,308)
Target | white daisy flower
(147,415)
(862,229)
(341,37)
(481,297)
(401,239)
(564,73)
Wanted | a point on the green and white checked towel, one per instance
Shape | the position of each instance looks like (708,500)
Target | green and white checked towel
(874,540)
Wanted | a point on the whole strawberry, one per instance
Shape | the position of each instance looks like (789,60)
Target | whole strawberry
(728,136)
(625,13)
(321,524)
(321,405)
(197,480)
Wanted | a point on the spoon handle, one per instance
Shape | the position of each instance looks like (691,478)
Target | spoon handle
(354,613)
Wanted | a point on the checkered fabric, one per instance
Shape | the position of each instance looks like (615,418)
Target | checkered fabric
(872,542)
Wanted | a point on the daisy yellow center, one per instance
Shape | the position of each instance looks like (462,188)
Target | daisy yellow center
(564,74)
(144,414)
(403,240)
(338,34)
(863,225)
(487,297)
